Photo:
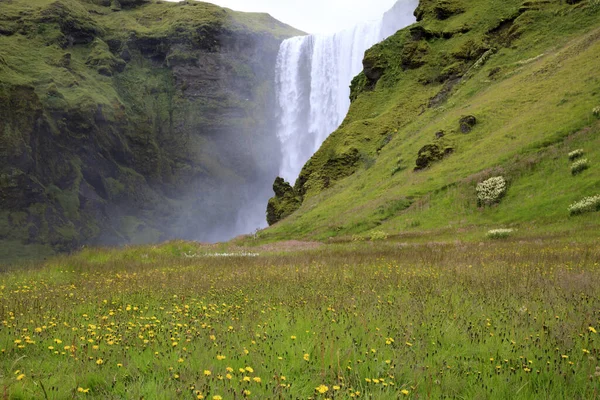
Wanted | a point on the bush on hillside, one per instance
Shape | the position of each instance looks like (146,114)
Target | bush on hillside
(579,166)
(575,154)
(587,204)
(499,233)
(491,190)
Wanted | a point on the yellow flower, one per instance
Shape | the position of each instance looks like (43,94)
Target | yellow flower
(306,357)
(220,357)
(404,392)
(207,372)
(228,376)
(217,397)
(246,379)
(249,369)
(591,329)
(20,377)
(256,379)
(247,392)
(180,360)
(99,361)
(336,387)
(322,389)
(82,390)
(293,337)
(229,369)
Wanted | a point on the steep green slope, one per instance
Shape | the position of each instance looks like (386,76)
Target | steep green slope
(407,161)
(131,121)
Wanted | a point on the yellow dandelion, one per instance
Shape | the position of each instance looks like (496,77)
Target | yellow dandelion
(306,357)
(322,389)
(250,369)
(404,392)
(207,372)
(20,377)
(591,329)
(257,379)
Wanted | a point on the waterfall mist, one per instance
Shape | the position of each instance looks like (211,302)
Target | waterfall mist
(313,75)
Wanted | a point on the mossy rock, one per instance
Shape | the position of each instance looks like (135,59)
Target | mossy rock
(431,153)
(467,123)
(284,203)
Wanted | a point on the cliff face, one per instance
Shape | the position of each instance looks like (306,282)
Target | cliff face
(128,122)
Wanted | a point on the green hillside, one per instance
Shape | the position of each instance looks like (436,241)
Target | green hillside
(130,121)
(407,159)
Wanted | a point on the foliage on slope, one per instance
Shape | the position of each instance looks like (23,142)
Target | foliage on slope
(130,121)
(472,90)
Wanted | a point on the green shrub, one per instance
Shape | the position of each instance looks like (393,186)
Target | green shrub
(579,166)
(491,190)
(575,154)
(499,233)
(378,235)
(587,204)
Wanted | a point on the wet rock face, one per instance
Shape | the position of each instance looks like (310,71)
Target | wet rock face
(175,142)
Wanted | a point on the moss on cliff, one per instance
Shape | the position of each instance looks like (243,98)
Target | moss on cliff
(126,121)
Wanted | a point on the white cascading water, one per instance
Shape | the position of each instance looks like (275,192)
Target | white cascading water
(313,75)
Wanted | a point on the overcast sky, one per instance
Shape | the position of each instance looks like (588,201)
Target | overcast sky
(315,16)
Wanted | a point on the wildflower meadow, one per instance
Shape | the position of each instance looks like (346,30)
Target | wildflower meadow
(357,320)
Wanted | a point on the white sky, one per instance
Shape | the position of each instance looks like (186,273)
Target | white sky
(314,16)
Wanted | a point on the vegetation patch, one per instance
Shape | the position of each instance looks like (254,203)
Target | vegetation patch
(491,190)
(575,154)
(156,322)
(499,233)
(579,166)
(586,205)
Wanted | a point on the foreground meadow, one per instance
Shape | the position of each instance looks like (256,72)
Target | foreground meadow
(501,319)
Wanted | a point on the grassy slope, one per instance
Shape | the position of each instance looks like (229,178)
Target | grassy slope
(532,112)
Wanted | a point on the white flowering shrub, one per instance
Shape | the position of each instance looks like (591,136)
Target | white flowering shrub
(587,204)
(491,190)
(596,111)
(575,154)
(378,235)
(499,233)
(580,165)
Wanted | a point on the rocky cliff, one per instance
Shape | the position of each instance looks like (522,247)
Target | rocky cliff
(132,121)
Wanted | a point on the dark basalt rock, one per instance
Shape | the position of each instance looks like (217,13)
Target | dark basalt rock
(467,123)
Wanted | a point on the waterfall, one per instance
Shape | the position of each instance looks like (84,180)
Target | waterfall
(313,75)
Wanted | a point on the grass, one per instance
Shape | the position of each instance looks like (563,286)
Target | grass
(383,320)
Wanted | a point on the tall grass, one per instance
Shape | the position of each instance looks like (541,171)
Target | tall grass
(370,320)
